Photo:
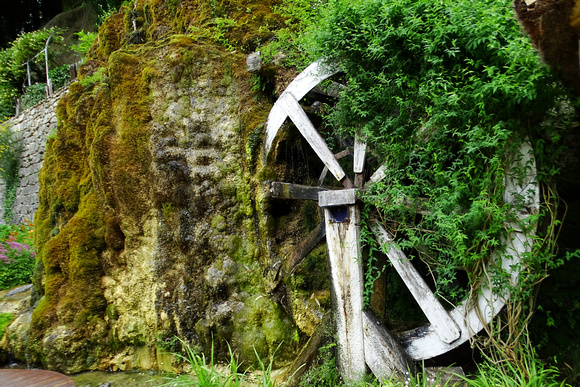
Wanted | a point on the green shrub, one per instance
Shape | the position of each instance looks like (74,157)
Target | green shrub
(59,76)
(10,150)
(445,91)
(86,40)
(17,256)
(5,320)
(33,95)
(13,74)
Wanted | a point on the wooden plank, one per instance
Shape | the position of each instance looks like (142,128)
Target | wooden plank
(279,190)
(336,198)
(34,378)
(337,156)
(306,246)
(302,84)
(446,328)
(471,317)
(384,356)
(300,119)
(379,174)
(360,148)
(346,284)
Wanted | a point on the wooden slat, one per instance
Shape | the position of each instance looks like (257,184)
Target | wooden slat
(34,378)
(302,84)
(379,174)
(384,356)
(291,106)
(279,190)
(336,198)
(360,148)
(306,246)
(337,156)
(346,282)
(446,328)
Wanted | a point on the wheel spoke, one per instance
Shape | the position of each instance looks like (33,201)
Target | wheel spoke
(300,119)
(337,156)
(360,148)
(299,87)
(379,174)
(446,328)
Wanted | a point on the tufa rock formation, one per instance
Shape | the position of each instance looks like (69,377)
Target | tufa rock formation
(153,223)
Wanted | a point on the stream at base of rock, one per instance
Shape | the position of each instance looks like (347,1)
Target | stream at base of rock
(135,378)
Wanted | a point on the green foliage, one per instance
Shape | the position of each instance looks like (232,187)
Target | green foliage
(287,47)
(86,40)
(445,91)
(17,257)
(59,76)
(324,372)
(13,74)
(97,76)
(531,373)
(208,375)
(10,150)
(33,95)
(5,320)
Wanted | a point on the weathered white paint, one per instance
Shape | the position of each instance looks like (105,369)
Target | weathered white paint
(472,315)
(360,148)
(299,87)
(346,281)
(424,343)
(444,326)
(379,174)
(293,109)
(336,198)
(384,356)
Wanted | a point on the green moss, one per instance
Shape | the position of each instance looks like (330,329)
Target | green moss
(5,320)
(241,250)
(112,312)
(262,326)
(219,223)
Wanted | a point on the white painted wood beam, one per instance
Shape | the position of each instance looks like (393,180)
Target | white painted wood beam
(346,281)
(299,87)
(446,328)
(309,132)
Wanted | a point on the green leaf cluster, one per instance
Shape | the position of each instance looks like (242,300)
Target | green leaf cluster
(12,72)
(17,258)
(446,92)
(10,151)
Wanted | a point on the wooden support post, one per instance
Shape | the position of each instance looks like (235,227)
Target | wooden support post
(278,190)
(384,356)
(342,237)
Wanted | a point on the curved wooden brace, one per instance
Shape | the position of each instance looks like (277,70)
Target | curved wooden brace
(299,87)
(471,316)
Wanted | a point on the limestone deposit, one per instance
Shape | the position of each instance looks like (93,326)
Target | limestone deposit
(153,222)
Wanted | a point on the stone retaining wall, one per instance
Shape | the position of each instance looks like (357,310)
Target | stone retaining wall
(33,126)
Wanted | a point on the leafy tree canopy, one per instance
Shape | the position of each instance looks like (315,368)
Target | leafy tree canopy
(445,91)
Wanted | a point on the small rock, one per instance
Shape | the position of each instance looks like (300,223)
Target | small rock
(253,62)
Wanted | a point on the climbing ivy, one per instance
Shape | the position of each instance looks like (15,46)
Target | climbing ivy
(446,92)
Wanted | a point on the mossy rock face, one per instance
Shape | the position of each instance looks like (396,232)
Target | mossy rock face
(153,221)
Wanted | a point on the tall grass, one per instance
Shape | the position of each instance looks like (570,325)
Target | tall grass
(206,373)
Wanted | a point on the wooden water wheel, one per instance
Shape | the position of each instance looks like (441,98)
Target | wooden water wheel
(362,339)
